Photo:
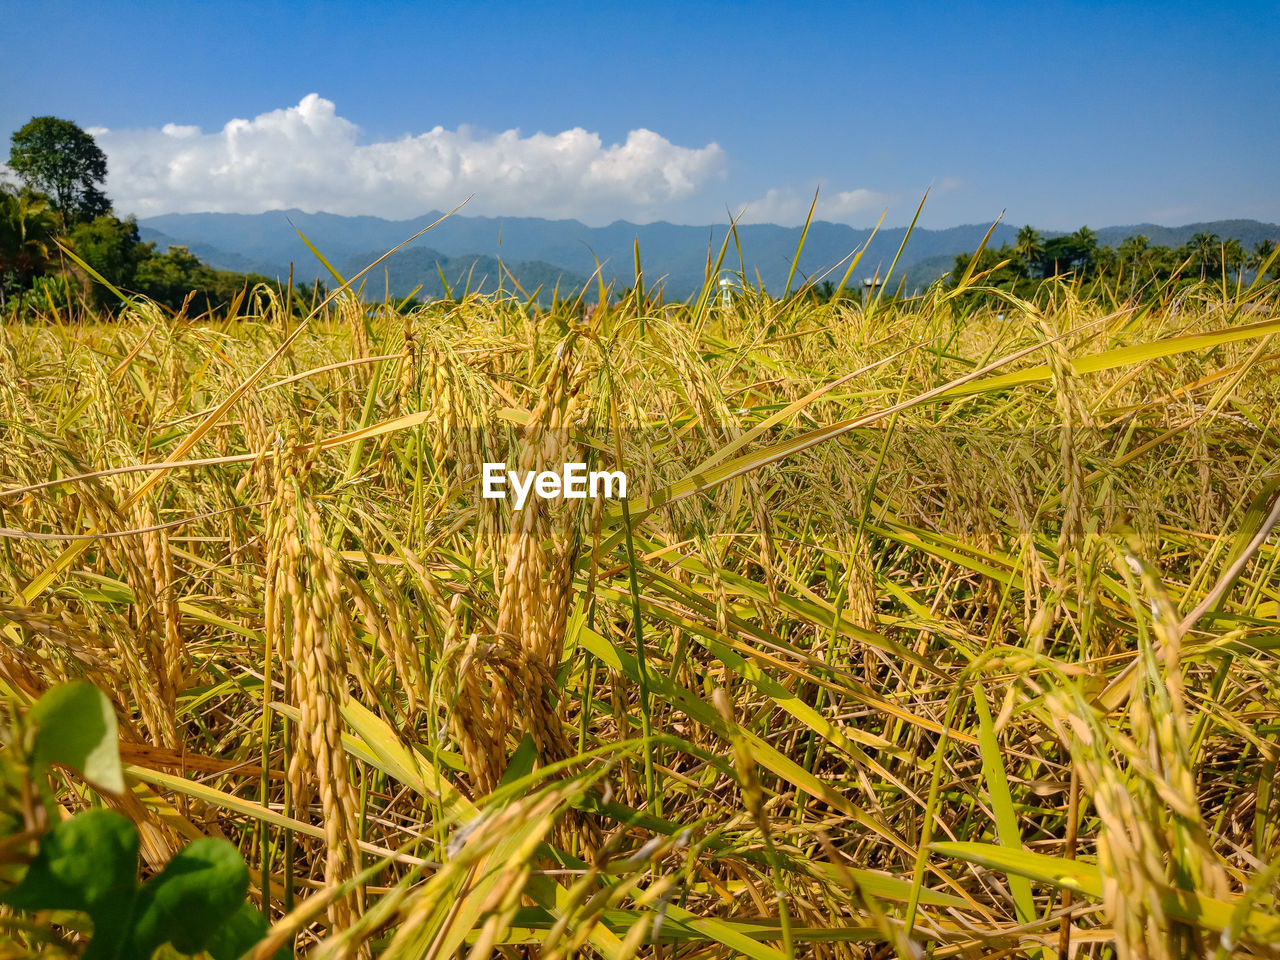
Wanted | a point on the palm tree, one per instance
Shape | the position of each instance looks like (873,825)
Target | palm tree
(1132,252)
(1086,237)
(1028,246)
(27,226)
(1085,244)
(1262,251)
(1233,257)
(1202,249)
(1132,248)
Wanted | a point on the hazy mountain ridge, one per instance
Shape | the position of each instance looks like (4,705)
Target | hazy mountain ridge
(673,253)
(423,272)
(1248,232)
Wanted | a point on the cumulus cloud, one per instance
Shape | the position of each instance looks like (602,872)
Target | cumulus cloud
(788,205)
(310,157)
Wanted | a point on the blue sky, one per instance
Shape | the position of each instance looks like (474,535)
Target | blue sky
(1059,113)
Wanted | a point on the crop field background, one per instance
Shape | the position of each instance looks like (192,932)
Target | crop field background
(943,626)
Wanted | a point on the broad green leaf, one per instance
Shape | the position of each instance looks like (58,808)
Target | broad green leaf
(197,893)
(88,862)
(240,934)
(76,726)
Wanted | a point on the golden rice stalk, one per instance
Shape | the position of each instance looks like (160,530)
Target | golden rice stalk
(1073,418)
(1151,837)
(304,592)
(145,650)
(482,711)
(426,915)
(388,623)
(1160,720)
(534,599)
(408,392)
(170,654)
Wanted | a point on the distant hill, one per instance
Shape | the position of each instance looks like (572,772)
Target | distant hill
(672,253)
(1248,232)
(921,273)
(423,272)
(209,253)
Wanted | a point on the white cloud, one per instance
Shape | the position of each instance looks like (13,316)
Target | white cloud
(790,206)
(309,157)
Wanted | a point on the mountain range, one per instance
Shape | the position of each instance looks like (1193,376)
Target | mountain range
(541,252)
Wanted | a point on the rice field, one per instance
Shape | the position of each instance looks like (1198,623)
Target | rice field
(932,627)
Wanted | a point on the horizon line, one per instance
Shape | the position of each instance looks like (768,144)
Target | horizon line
(436,214)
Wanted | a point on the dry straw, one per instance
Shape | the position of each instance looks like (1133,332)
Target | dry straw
(754,703)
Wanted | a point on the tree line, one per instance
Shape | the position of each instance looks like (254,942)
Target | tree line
(60,203)
(1134,266)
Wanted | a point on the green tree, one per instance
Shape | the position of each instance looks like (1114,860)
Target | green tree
(1059,256)
(27,226)
(1233,257)
(169,277)
(56,157)
(1262,251)
(1105,260)
(1029,246)
(1013,268)
(1085,242)
(1132,258)
(176,276)
(112,247)
(1202,252)
(1132,250)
